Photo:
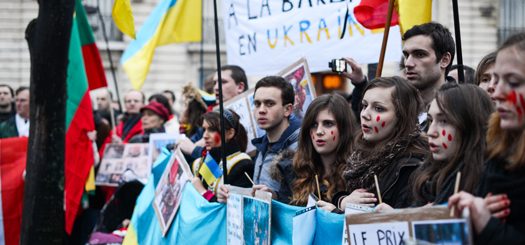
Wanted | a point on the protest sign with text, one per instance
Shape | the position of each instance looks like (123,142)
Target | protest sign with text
(263,36)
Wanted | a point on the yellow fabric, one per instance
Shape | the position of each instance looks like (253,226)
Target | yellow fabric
(90,182)
(131,236)
(123,17)
(413,12)
(182,23)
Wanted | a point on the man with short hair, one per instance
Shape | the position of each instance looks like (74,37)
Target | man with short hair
(428,52)
(234,82)
(104,100)
(273,103)
(7,108)
(18,125)
(131,125)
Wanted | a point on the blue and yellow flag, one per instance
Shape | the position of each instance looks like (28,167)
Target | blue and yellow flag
(172,21)
(210,169)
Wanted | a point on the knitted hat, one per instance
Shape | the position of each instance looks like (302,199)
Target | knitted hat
(158,109)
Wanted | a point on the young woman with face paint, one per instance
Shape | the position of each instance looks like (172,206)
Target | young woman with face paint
(325,144)
(238,162)
(458,118)
(505,170)
(389,145)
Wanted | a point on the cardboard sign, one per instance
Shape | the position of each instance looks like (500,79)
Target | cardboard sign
(426,225)
(169,189)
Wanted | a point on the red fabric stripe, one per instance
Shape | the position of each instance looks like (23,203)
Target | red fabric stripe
(13,153)
(93,65)
(79,158)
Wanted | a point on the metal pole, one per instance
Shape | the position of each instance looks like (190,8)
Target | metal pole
(221,106)
(457,32)
(111,67)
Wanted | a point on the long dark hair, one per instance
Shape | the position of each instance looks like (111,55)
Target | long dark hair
(408,105)
(307,162)
(240,137)
(467,107)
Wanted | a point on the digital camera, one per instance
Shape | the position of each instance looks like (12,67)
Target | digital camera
(338,65)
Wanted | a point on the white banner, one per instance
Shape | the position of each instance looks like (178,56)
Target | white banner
(264,36)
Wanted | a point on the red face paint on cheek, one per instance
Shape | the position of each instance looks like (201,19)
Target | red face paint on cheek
(443,132)
(445,146)
(512,97)
(378,118)
(383,124)
(450,137)
(376,130)
(217,138)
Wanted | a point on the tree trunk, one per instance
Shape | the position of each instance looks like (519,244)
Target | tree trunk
(48,39)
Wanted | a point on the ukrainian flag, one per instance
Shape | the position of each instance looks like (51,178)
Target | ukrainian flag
(172,21)
(210,170)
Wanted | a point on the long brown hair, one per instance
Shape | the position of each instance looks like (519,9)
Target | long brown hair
(507,144)
(467,107)
(307,162)
(408,105)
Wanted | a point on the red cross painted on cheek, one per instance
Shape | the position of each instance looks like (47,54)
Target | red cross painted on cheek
(332,133)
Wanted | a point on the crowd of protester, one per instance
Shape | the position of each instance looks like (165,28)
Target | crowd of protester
(415,132)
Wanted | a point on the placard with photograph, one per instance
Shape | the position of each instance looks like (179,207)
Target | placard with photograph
(157,142)
(169,189)
(248,218)
(299,76)
(239,104)
(448,231)
(123,162)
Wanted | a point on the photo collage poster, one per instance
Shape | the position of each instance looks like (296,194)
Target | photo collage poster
(123,163)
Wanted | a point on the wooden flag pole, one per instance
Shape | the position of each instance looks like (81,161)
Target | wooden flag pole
(385,38)
(457,32)
(221,105)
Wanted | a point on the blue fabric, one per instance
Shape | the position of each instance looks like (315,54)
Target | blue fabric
(201,222)
(329,227)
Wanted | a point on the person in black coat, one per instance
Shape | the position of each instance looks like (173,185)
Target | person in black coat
(389,145)
(502,220)
(458,118)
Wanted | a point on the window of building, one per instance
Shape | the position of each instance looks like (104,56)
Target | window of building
(511,19)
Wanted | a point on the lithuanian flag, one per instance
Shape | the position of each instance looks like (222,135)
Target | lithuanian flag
(79,120)
(92,62)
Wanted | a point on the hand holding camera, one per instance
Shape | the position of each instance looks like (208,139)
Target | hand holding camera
(349,68)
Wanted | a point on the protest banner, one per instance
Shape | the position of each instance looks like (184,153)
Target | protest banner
(169,190)
(432,225)
(123,162)
(264,36)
